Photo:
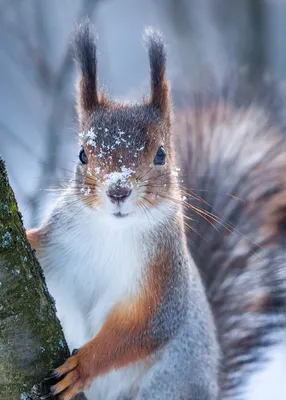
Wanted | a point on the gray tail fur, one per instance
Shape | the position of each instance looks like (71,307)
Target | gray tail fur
(233,169)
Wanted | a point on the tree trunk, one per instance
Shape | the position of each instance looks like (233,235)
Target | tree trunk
(31,339)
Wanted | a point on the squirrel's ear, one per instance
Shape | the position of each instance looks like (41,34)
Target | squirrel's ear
(160,88)
(85,55)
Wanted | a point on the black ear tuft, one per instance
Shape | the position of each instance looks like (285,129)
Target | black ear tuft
(85,55)
(160,97)
(157,54)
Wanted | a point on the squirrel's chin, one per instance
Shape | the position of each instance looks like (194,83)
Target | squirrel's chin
(119,214)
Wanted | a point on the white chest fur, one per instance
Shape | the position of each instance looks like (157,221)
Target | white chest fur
(88,271)
(95,266)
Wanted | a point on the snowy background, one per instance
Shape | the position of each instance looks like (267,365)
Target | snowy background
(38,126)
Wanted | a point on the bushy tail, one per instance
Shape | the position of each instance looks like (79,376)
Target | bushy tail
(233,177)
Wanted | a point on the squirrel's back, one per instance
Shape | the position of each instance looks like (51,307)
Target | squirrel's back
(233,161)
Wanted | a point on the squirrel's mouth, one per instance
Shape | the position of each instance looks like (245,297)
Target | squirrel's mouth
(120,215)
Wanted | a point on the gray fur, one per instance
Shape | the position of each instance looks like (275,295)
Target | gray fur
(185,369)
(233,164)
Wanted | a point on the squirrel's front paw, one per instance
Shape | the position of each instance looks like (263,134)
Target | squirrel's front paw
(73,376)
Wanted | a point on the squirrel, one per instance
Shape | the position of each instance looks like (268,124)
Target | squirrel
(114,252)
(231,144)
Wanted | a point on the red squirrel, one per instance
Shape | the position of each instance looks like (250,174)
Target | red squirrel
(115,257)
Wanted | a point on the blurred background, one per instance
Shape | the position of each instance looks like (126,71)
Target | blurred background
(38,125)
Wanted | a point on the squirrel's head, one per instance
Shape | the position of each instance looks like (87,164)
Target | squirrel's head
(125,157)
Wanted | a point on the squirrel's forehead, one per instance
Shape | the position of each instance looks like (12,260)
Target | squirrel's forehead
(112,139)
(132,122)
(114,148)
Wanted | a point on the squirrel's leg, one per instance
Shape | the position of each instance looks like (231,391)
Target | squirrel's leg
(120,341)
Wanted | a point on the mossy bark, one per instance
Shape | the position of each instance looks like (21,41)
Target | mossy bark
(31,339)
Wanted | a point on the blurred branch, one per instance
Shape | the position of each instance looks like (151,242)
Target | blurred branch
(44,71)
(256,52)
(193,24)
(21,50)
(243,25)
(17,140)
(177,13)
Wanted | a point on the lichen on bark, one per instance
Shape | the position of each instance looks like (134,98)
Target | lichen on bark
(31,339)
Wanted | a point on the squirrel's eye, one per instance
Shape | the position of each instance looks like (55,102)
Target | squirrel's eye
(160,156)
(82,156)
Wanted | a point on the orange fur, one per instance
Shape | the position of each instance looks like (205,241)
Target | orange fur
(34,236)
(274,216)
(160,95)
(123,339)
(258,302)
(270,202)
(87,100)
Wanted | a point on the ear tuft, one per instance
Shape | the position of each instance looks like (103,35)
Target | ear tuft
(85,55)
(160,96)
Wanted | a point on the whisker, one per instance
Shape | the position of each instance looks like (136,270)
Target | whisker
(142,176)
(164,212)
(204,214)
(147,210)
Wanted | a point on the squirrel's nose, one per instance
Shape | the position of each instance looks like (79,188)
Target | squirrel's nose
(117,194)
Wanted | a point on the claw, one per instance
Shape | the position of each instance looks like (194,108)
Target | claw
(74,352)
(37,389)
(52,377)
(41,391)
(46,396)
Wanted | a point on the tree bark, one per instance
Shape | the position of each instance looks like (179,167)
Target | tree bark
(32,343)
